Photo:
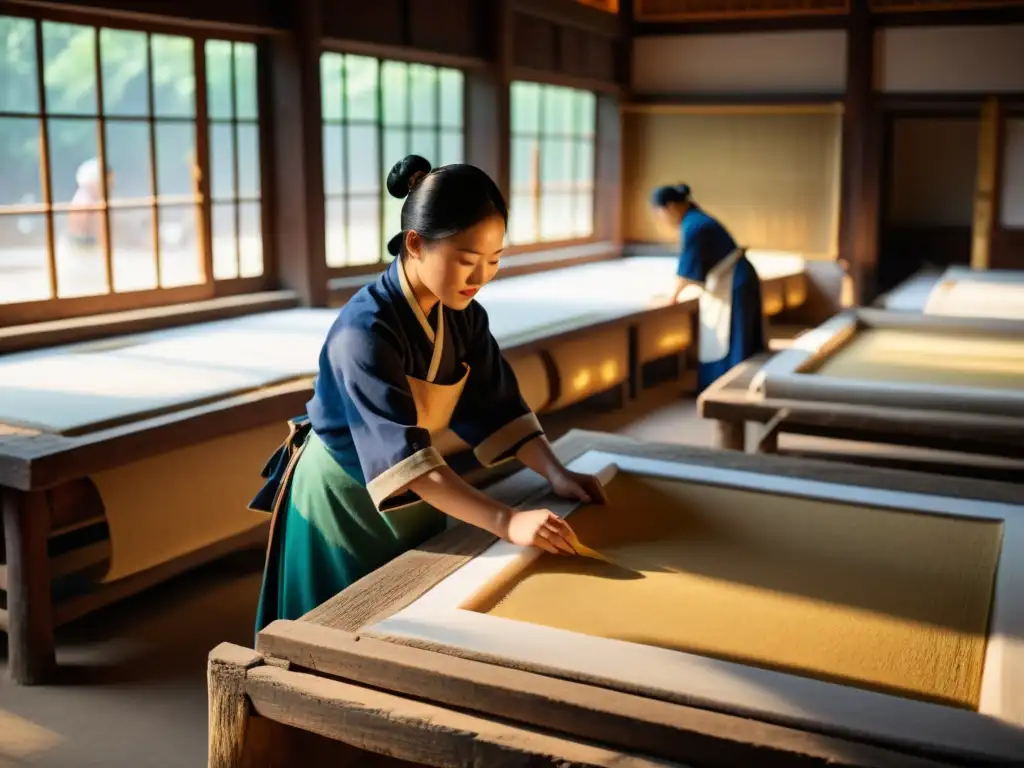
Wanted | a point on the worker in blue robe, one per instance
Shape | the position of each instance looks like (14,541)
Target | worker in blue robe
(732,323)
(363,476)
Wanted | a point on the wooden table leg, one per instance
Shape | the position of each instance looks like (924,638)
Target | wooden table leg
(229,707)
(768,442)
(26,521)
(731,435)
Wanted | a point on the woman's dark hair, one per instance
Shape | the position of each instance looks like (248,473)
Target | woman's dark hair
(443,202)
(675,193)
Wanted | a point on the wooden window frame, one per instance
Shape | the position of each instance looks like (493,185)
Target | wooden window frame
(594,140)
(56,308)
(381,127)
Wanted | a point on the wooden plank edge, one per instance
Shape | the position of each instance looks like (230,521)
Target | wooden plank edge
(626,721)
(422,733)
(53,332)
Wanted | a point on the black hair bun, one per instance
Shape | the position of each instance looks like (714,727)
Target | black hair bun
(684,190)
(406,174)
(395,244)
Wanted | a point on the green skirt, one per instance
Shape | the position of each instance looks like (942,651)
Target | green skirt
(327,534)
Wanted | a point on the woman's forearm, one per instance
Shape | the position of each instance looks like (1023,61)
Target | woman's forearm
(539,456)
(443,489)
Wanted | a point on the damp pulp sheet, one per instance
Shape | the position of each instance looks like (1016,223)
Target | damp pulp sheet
(84,387)
(990,361)
(977,299)
(890,601)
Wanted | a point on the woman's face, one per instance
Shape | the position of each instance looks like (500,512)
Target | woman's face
(455,269)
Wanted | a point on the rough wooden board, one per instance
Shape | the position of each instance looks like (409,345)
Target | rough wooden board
(426,733)
(394,586)
(650,726)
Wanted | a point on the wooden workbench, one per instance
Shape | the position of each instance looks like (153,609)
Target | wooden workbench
(730,402)
(44,474)
(372,697)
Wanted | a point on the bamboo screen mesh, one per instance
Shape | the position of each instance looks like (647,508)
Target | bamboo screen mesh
(771,178)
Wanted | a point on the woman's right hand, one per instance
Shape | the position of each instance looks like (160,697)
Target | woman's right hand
(540,528)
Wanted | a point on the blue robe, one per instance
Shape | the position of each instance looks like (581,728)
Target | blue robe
(343,509)
(705,243)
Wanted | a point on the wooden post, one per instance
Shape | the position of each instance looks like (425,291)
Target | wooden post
(488,107)
(26,521)
(229,707)
(299,220)
(731,435)
(986,193)
(861,158)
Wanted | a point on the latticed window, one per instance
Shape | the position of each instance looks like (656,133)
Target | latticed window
(375,112)
(553,139)
(107,139)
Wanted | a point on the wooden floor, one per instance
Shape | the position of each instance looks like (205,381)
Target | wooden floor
(140,700)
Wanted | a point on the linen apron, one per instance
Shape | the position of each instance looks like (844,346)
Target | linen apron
(325,532)
(715,309)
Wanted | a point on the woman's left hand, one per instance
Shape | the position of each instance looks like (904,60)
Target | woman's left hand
(576,485)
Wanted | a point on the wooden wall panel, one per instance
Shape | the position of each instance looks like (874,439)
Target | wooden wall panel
(448,26)
(370,21)
(929,193)
(572,51)
(750,63)
(773,179)
(1008,249)
(534,43)
(932,172)
(1011,201)
(602,56)
(951,59)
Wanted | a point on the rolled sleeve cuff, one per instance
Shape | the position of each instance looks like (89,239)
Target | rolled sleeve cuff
(508,439)
(397,478)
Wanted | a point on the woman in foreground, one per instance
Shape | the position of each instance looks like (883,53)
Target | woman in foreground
(359,481)
(731,317)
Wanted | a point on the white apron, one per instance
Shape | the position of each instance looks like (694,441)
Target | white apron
(715,312)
